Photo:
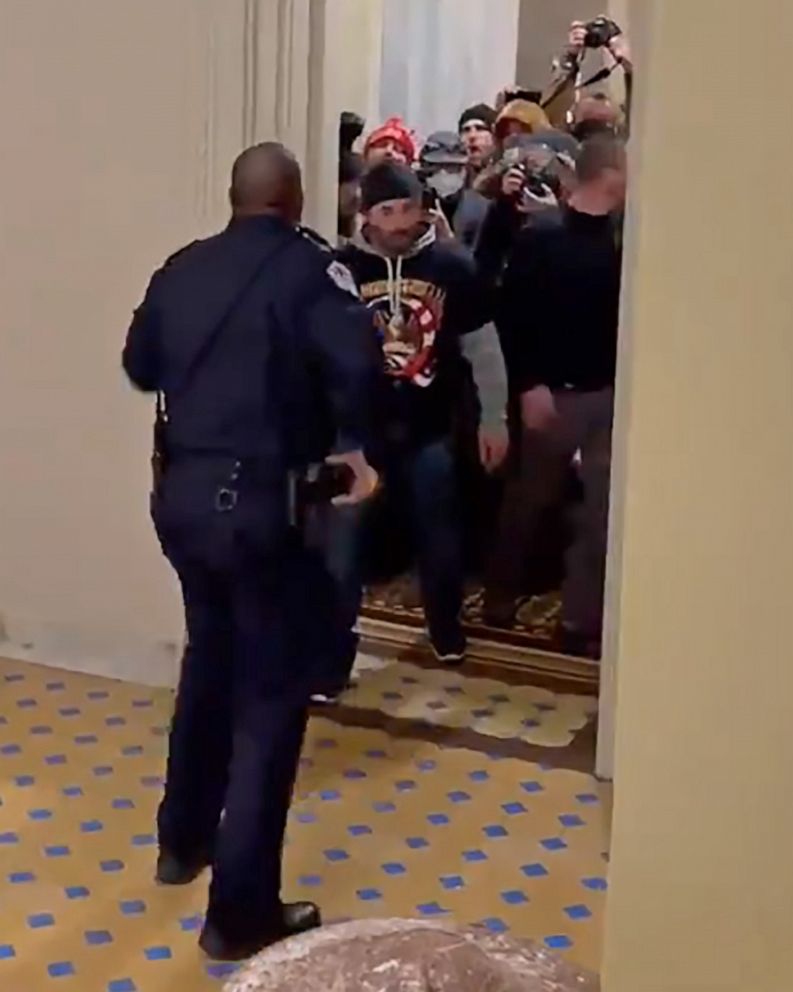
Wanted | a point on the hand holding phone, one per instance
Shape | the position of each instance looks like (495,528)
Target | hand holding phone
(360,480)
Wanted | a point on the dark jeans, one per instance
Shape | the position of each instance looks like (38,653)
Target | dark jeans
(337,532)
(419,483)
(234,744)
(583,424)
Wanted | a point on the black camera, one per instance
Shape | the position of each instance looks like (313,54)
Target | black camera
(600,31)
(535,162)
(540,183)
(520,93)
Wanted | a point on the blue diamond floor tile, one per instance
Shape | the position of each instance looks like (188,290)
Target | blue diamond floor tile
(394,869)
(535,871)
(554,844)
(558,942)
(578,912)
(496,831)
(98,938)
(359,830)
(21,877)
(158,953)
(60,969)
(474,856)
(595,884)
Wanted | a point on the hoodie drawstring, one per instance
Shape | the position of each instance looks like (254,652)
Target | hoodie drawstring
(395,285)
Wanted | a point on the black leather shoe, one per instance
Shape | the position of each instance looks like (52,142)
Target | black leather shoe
(296,918)
(172,871)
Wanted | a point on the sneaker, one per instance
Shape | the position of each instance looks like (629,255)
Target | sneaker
(327,698)
(451,652)
(333,696)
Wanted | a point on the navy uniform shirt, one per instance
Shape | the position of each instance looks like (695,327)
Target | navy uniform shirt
(265,357)
(295,345)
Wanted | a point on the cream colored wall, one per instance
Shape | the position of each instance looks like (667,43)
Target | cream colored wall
(359,30)
(701,881)
(544,25)
(120,122)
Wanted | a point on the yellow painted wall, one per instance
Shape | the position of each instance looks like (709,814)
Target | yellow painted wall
(701,896)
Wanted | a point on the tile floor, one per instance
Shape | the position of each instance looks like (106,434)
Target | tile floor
(447,698)
(380,827)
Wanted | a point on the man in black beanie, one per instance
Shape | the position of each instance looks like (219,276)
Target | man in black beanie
(430,314)
(476,132)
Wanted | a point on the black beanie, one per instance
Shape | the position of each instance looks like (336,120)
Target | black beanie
(389,181)
(480,112)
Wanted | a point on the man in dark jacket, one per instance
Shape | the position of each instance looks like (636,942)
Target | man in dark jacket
(257,343)
(559,313)
(430,316)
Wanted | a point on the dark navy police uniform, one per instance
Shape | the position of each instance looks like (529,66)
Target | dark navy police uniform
(265,359)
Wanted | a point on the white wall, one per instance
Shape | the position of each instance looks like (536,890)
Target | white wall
(440,57)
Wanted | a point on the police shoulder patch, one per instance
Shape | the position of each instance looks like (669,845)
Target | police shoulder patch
(343,278)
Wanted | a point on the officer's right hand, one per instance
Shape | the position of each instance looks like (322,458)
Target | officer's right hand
(365,479)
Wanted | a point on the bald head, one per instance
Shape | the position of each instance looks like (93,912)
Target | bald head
(602,153)
(596,107)
(266,179)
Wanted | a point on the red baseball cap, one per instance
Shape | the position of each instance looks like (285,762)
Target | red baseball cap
(397,131)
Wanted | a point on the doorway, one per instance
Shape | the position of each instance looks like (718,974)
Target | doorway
(430,67)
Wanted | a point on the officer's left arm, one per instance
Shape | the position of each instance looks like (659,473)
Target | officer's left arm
(344,346)
(141,355)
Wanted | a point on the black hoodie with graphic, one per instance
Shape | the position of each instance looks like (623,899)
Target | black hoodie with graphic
(423,303)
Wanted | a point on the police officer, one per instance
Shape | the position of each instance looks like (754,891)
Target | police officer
(262,358)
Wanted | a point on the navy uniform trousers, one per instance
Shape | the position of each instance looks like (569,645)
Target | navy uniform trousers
(236,735)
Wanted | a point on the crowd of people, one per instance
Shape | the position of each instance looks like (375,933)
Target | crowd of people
(490,257)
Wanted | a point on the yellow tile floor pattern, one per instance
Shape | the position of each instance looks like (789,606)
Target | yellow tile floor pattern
(447,698)
(380,827)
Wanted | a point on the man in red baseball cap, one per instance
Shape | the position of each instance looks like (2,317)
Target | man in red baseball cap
(391,142)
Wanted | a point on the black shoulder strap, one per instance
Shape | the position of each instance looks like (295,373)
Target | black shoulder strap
(206,346)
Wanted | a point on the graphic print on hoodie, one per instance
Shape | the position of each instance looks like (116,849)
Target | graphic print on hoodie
(422,303)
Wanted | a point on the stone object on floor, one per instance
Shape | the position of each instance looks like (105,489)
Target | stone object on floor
(409,956)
